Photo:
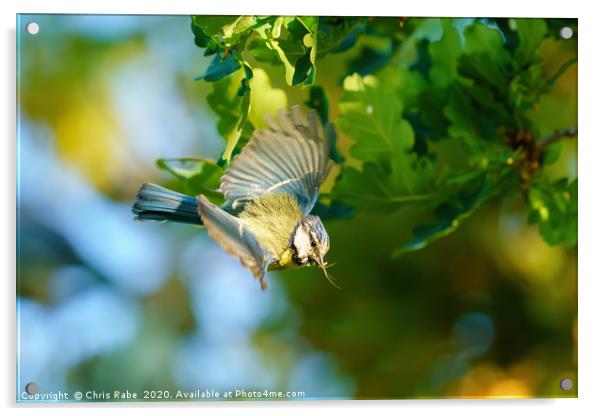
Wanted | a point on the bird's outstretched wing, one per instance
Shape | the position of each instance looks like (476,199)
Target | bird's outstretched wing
(230,233)
(291,156)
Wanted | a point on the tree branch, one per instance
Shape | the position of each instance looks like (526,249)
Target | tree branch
(557,135)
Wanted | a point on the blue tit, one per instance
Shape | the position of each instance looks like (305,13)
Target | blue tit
(270,189)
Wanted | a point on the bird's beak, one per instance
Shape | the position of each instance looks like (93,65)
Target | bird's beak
(320,262)
(323,264)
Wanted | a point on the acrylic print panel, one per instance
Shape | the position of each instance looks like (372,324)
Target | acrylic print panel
(175,245)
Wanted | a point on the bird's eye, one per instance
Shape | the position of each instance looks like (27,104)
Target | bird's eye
(313,243)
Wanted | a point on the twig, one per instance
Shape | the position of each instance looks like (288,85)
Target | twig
(557,135)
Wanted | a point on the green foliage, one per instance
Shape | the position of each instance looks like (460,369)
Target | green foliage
(197,176)
(469,92)
(553,206)
(462,196)
(371,115)
(233,111)
(296,42)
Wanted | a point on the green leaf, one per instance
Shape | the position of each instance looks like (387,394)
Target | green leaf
(563,68)
(448,217)
(232,111)
(304,68)
(375,189)
(310,22)
(203,40)
(319,102)
(245,86)
(239,116)
(375,53)
(336,210)
(528,86)
(480,39)
(444,55)
(265,99)
(220,67)
(338,34)
(239,26)
(213,25)
(181,168)
(553,206)
(207,183)
(466,123)
(294,41)
(198,176)
(531,33)
(372,117)
(228,29)
(486,60)
(458,204)
(423,58)
(551,154)
(391,175)
(262,52)
(225,101)
(289,69)
(235,130)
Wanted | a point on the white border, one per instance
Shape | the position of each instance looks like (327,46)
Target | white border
(590,157)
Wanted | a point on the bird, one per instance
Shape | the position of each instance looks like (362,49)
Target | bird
(269,188)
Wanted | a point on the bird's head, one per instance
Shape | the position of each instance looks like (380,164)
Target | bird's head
(309,242)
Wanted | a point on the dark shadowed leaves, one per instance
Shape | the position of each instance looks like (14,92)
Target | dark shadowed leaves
(319,102)
(220,67)
(444,55)
(531,33)
(336,210)
(465,195)
(232,111)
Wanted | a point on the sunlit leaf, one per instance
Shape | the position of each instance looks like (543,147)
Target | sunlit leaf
(553,206)
(213,25)
(228,28)
(265,99)
(372,116)
(391,175)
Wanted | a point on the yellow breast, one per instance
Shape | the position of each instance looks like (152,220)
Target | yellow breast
(272,219)
(284,261)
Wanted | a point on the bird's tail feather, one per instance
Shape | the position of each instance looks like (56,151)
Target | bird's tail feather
(155,203)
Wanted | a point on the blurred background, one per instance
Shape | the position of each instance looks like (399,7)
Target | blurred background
(106,303)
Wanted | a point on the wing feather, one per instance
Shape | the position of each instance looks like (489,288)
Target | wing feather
(230,233)
(292,155)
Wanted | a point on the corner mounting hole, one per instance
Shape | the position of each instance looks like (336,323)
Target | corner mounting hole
(32,28)
(566,384)
(566,32)
(31,388)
